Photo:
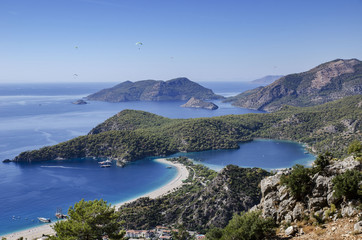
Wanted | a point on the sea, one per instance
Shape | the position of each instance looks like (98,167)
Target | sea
(39,114)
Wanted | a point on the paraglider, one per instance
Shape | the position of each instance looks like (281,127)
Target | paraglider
(75,75)
(139,44)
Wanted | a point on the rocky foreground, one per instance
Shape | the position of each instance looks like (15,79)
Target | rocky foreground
(318,208)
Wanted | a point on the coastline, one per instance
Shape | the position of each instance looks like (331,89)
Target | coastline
(176,182)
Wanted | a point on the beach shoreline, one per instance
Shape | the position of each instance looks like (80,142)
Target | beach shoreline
(175,183)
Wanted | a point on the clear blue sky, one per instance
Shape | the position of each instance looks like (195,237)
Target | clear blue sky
(204,40)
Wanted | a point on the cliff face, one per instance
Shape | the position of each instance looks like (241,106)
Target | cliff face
(197,103)
(279,204)
(152,90)
(327,82)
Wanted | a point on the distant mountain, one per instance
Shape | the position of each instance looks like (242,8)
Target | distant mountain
(266,80)
(327,82)
(152,90)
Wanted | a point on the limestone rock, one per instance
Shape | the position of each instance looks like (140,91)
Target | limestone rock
(290,231)
(278,203)
(349,209)
(342,166)
(358,227)
(298,211)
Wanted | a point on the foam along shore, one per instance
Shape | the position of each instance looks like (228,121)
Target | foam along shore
(176,182)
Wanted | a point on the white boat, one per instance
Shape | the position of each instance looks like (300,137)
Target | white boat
(46,220)
(106,165)
(105,162)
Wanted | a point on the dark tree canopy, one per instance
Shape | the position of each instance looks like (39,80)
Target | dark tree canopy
(90,220)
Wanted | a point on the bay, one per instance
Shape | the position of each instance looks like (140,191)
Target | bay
(263,153)
(31,190)
(37,115)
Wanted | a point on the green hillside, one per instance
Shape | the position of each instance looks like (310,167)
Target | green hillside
(131,135)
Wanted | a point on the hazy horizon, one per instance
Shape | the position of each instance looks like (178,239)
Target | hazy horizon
(205,40)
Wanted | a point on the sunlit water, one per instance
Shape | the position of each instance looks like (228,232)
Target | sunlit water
(36,115)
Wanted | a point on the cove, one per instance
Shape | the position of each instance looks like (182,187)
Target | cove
(31,190)
(263,153)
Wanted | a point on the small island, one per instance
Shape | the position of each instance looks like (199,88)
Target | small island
(154,90)
(80,102)
(197,103)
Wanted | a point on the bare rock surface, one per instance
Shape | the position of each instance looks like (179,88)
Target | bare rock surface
(277,203)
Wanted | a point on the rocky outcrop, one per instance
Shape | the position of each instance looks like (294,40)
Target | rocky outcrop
(152,90)
(197,103)
(80,102)
(278,203)
(358,227)
(324,83)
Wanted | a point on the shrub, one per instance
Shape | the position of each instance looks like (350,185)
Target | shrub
(355,148)
(347,185)
(298,182)
(246,226)
(318,220)
(89,220)
(214,234)
(322,161)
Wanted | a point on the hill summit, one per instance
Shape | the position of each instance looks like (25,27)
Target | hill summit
(153,90)
(327,82)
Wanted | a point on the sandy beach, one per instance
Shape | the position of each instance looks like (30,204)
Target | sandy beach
(182,174)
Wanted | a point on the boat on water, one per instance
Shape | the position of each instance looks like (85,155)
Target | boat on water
(169,167)
(59,214)
(45,220)
(107,165)
(105,162)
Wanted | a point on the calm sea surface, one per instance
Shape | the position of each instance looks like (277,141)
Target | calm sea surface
(37,115)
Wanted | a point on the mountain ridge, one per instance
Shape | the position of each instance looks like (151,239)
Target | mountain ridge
(266,80)
(326,82)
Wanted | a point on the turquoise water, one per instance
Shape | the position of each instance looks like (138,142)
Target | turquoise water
(36,190)
(36,115)
(263,153)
